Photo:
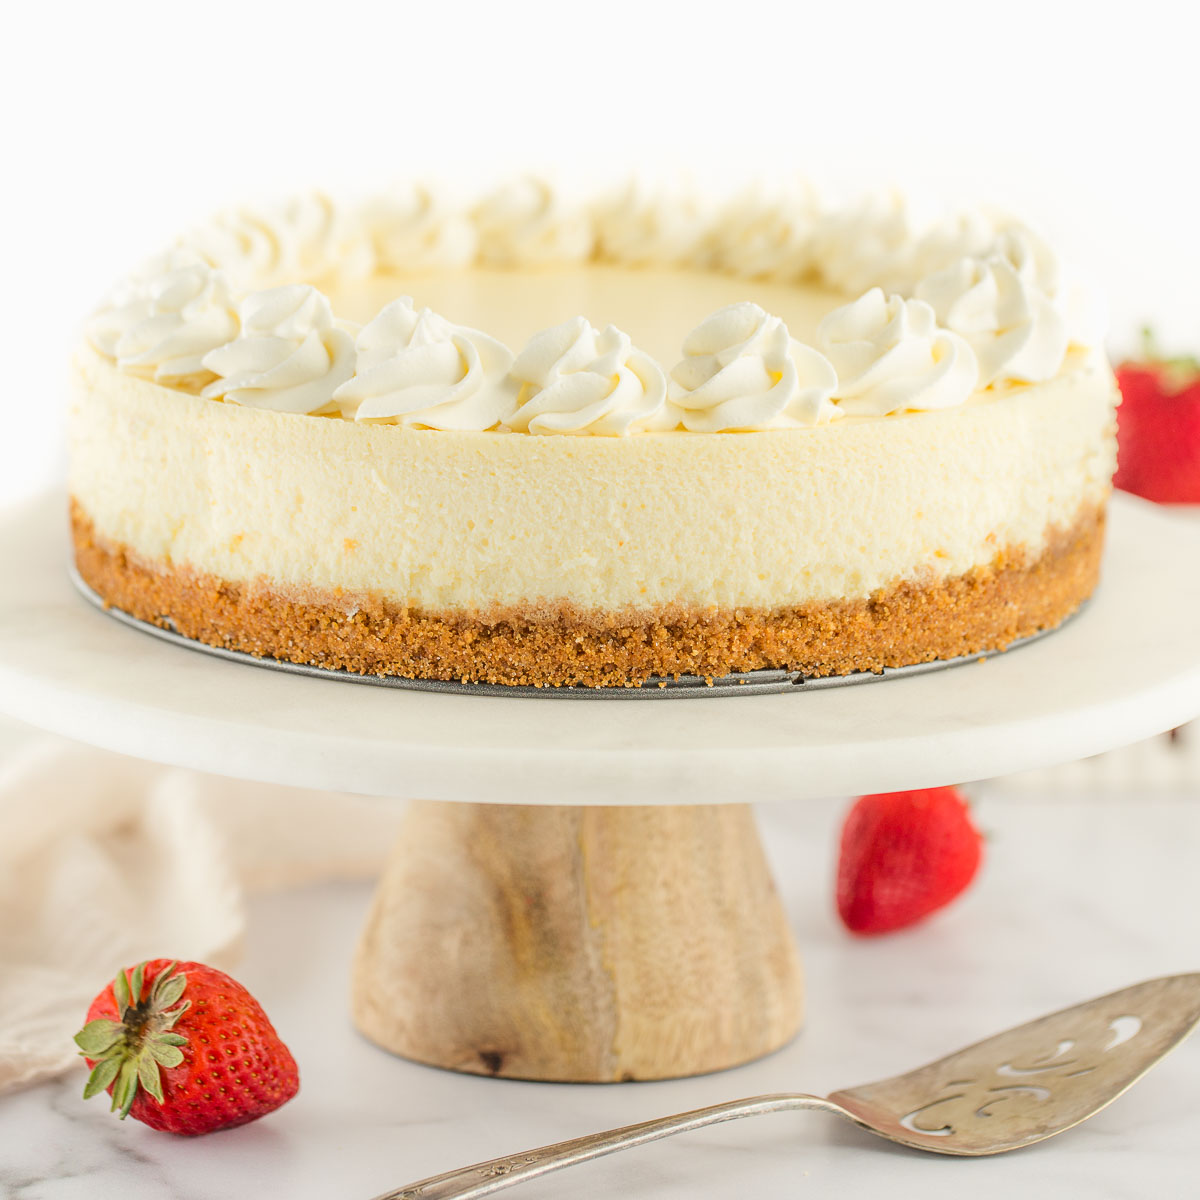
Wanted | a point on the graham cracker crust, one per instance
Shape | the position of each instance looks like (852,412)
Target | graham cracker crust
(985,609)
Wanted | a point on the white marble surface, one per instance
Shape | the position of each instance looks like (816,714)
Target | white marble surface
(1079,896)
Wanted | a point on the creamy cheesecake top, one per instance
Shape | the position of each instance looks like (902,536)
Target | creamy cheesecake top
(525,314)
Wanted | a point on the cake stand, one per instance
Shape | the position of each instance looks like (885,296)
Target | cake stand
(579,891)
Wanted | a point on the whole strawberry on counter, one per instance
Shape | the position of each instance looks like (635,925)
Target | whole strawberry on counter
(903,856)
(184,1048)
(1158,427)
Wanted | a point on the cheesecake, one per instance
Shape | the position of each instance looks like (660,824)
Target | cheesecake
(531,442)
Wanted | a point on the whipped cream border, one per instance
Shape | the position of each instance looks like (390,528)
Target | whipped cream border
(875,246)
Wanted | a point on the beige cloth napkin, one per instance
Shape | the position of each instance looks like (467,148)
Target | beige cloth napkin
(106,860)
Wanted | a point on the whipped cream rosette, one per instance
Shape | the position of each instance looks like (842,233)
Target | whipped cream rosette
(162,322)
(327,243)
(742,370)
(644,226)
(247,246)
(527,223)
(291,355)
(1016,306)
(762,236)
(306,238)
(1013,327)
(1038,265)
(416,368)
(891,356)
(577,379)
(870,244)
(1030,255)
(415,227)
(968,233)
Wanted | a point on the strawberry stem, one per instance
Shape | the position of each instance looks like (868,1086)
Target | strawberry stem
(1181,369)
(130,1052)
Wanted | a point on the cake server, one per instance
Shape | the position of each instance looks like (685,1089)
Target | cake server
(1012,1090)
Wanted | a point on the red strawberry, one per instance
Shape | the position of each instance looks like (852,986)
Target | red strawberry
(1158,428)
(184,1048)
(903,856)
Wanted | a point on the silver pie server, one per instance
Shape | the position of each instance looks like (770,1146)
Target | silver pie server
(1011,1090)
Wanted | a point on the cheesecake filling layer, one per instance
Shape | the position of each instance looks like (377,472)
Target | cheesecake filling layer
(443,522)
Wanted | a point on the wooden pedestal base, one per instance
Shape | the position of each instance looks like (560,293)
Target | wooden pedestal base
(578,944)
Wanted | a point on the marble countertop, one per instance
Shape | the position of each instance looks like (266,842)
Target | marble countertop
(1079,896)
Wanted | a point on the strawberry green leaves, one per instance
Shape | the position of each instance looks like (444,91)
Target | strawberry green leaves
(102,1075)
(130,1052)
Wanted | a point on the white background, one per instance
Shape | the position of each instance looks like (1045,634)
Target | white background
(126,123)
